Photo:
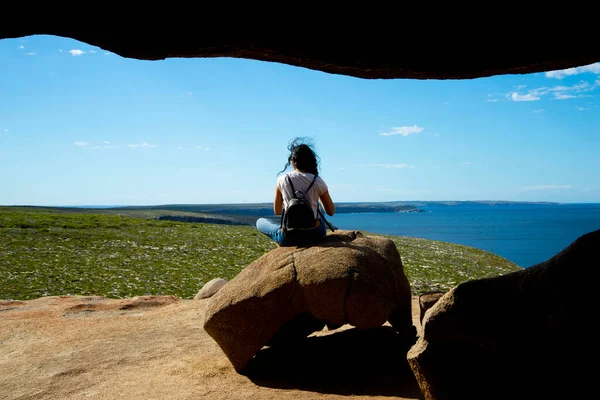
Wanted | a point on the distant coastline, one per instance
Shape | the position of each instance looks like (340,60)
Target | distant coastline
(266,209)
(341,207)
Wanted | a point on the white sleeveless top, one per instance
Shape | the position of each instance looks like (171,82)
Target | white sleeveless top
(301,181)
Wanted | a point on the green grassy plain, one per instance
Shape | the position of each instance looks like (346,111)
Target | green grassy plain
(53,251)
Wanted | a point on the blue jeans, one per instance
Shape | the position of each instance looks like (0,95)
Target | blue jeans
(273,230)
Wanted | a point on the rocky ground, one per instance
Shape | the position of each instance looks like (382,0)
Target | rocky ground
(72,347)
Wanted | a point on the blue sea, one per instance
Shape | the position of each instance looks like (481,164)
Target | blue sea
(526,234)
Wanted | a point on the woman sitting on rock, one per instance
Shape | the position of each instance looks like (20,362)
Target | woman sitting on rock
(303,182)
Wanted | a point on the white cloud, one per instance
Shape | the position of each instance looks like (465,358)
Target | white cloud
(31,54)
(6,130)
(21,47)
(563,96)
(446,102)
(560,92)
(403,130)
(583,108)
(203,148)
(538,111)
(60,50)
(395,166)
(76,52)
(514,96)
(180,148)
(545,187)
(92,51)
(466,163)
(492,100)
(143,143)
(559,74)
(81,144)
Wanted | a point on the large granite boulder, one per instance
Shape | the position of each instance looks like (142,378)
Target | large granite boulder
(290,292)
(524,335)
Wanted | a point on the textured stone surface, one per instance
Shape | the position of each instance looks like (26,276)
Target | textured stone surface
(153,348)
(348,279)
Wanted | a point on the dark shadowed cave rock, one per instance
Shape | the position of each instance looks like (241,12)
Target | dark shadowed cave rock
(405,41)
(525,335)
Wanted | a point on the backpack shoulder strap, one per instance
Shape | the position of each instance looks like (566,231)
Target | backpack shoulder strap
(311,184)
(289,180)
(287,177)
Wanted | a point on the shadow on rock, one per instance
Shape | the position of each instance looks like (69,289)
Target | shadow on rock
(350,362)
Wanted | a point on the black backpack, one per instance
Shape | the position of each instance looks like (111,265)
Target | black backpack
(298,216)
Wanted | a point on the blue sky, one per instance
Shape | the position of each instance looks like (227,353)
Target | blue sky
(83,126)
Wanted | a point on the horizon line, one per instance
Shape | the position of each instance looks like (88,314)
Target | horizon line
(270,202)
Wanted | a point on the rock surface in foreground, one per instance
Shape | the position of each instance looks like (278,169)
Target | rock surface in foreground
(291,292)
(75,347)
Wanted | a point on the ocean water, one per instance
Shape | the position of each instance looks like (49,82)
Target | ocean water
(526,234)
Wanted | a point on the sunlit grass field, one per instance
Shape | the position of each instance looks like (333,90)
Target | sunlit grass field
(48,252)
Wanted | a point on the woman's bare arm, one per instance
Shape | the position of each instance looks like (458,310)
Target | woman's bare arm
(278,202)
(328,205)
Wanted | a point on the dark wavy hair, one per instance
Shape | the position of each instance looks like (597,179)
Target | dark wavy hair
(302,156)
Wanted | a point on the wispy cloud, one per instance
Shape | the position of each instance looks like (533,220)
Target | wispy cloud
(561,92)
(21,47)
(6,130)
(514,96)
(31,54)
(104,145)
(76,52)
(559,74)
(545,187)
(60,50)
(538,111)
(403,130)
(92,51)
(143,144)
(394,166)
(203,148)
(583,108)
(563,96)
(466,163)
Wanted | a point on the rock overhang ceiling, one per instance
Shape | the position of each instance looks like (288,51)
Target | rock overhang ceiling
(454,49)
